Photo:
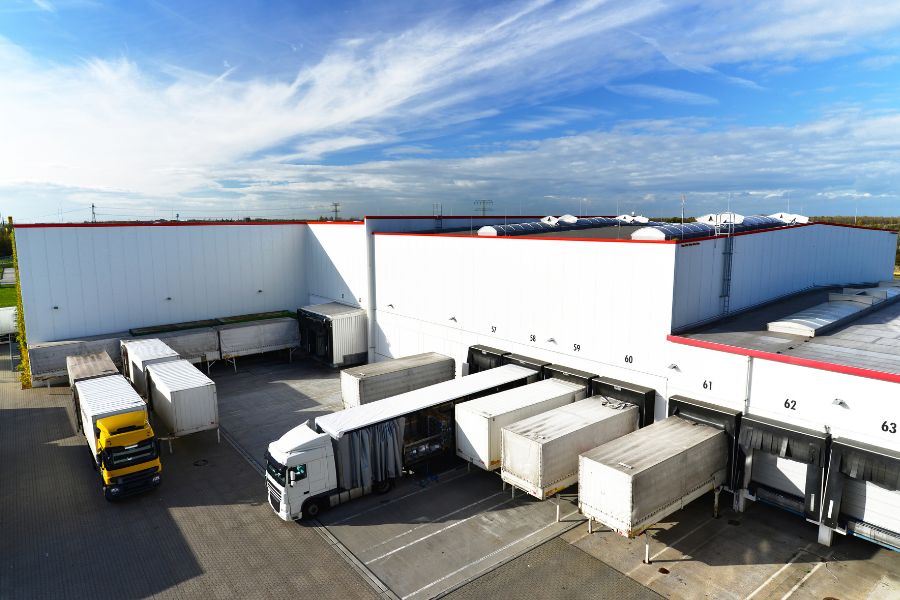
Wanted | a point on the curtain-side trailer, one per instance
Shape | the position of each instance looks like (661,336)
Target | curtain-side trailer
(352,452)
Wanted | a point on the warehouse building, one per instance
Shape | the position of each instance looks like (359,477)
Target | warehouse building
(792,326)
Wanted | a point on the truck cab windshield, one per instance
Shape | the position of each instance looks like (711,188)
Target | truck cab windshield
(275,469)
(118,457)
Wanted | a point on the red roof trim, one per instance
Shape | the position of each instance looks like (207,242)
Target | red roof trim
(892,231)
(432,217)
(182,224)
(523,237)
(719,237)
(782,358)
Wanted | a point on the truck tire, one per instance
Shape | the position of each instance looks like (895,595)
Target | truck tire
(383,487)
(311,509)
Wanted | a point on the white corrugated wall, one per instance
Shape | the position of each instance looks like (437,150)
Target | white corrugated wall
(335,260)
(114,278)
(767,265)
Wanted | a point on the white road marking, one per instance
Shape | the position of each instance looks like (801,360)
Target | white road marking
(797,554)
(485,557)
(681,539)
(404,497)
(799,583)
(434,533)
(408,531)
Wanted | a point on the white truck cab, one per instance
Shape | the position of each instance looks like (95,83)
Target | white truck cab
(299,469)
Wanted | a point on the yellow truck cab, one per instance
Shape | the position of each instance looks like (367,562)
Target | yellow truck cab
(114,421)
(127,454)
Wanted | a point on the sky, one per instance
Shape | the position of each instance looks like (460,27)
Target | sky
(267,108)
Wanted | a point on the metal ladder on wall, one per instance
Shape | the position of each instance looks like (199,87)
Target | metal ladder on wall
(726,229)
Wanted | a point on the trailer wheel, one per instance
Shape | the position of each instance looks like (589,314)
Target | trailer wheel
(383,487)
(311,509)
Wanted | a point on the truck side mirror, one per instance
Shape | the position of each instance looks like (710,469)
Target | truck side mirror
(292,477)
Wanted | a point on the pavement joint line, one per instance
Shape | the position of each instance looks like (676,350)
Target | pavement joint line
(434,533)
(426,523)
(769,580)
(368,576)
(671,546)
(380,506)
(802,581)
(485,557)
(569,525)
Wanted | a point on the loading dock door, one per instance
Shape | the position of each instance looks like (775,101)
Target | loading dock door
(643,397)
(783,458)
(482,358)
(781,474)
(862,491)
(871,503)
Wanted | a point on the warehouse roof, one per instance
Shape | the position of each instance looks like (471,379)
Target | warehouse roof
(869,344)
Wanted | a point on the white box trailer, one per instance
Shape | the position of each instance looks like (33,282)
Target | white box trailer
(376,381)
(113,419)
(256,337)
(183,397)
(335,333)
(8,325)
(540,453)
(105,397)
(138,354)
(479,422)
(47,360)
(194,345)
(633,482)
(89,366)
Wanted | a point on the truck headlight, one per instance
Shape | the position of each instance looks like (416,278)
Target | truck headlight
(155,479)
(114,490)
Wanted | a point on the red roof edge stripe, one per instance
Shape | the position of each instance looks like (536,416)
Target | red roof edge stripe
(434,217)
(791,360)
(182,224)
(522,237)
(892,231)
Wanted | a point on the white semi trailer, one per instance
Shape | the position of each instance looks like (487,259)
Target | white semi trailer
(380,380)
(352,452)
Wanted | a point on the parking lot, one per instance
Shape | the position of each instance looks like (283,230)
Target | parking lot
(433,531)
(206,532)
(209,532)
(439,532)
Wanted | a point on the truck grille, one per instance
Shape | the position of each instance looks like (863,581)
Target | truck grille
(274,497)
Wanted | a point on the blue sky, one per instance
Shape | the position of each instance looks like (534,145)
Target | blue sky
(277,109)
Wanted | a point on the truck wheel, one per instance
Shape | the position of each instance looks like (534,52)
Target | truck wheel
(311,509)
(383,487)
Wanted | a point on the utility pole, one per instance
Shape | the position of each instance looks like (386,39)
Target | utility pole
(336,208)
(93,213)
(484,206)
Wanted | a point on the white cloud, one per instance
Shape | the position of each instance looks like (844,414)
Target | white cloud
(664,94)
(169,135)
(44,5)
(407,150)
(556,117)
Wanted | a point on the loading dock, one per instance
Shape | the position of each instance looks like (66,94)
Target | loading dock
(781,464)
(862,493)
(481,358)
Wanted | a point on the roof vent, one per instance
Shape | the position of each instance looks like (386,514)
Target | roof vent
(571,220)
(726,218)
(550,220)
(790,218)
(487,230)
(640,219)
